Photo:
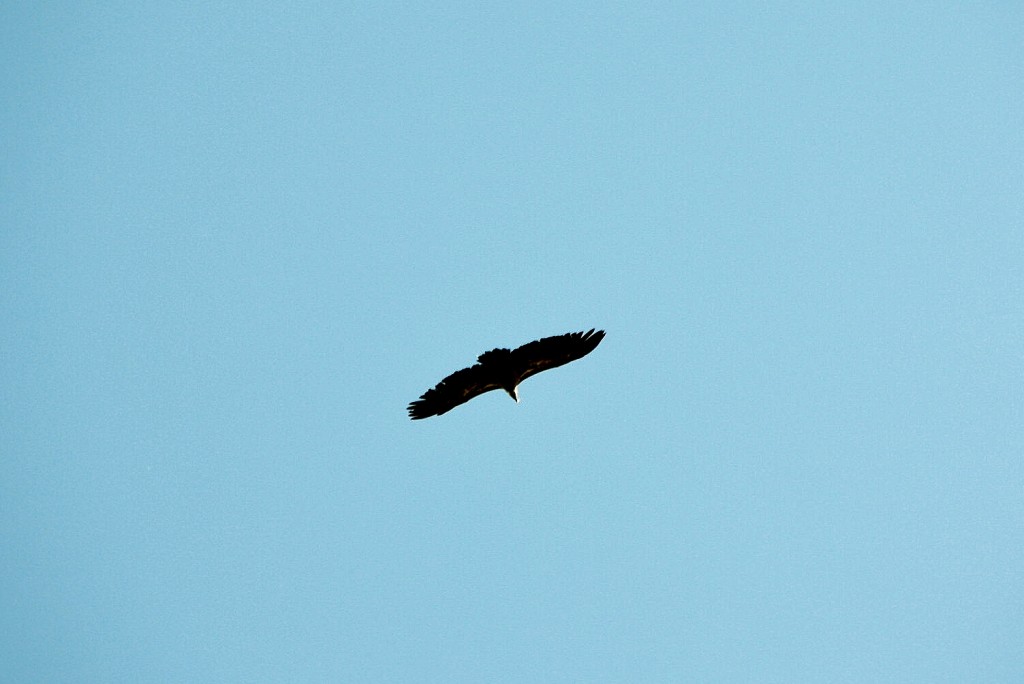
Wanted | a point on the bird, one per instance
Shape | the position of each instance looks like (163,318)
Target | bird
(504,369)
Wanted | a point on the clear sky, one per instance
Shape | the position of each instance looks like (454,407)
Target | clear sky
(237,239)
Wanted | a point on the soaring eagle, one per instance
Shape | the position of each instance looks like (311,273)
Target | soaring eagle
(504,369)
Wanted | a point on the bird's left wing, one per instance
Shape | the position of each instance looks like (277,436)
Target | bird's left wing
(457,388)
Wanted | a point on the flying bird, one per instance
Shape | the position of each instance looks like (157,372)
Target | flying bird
(504,369)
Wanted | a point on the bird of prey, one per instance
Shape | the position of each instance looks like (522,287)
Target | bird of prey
(504,369)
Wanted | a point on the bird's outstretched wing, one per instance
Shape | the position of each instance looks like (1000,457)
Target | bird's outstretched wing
(501,368)
(551,352)
(457,388)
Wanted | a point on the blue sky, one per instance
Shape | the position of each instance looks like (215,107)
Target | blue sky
(238,239)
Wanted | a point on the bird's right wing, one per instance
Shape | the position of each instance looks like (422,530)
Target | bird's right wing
(552,352)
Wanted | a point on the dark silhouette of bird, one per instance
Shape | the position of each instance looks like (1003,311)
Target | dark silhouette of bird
(504,369)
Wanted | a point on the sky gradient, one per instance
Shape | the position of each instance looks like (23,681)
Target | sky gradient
(238,240)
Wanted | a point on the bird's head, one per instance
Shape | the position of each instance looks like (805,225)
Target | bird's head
(512,393)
